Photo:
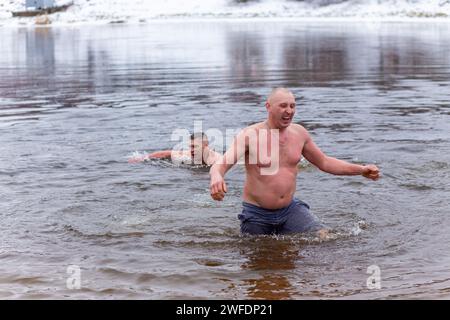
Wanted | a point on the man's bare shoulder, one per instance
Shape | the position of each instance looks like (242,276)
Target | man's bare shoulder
(299,129)
(254,126)
(250,130)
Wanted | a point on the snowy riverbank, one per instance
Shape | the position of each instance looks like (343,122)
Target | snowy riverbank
(139,11)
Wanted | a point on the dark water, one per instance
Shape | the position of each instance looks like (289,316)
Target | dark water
(76,101)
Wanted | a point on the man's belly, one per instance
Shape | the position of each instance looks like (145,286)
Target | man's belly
(270,192)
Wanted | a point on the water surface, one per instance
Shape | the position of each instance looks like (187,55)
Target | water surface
(76,101)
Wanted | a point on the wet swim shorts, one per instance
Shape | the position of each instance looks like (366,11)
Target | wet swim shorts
(295,218)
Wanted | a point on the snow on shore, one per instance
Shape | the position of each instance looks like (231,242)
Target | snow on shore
(136,11)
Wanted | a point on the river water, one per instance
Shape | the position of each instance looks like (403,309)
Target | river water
(76,101)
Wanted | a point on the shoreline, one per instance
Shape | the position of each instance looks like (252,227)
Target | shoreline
(31,21)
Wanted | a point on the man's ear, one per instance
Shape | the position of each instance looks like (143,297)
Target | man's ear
(267,105)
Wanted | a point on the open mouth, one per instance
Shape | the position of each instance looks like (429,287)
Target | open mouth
(286,118)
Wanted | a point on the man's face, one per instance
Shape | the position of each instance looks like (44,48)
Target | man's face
(281,108)
(197,148)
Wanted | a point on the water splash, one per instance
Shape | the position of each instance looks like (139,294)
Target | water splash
(334,234)
(137,157)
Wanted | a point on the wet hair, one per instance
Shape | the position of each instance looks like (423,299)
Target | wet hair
(199,135)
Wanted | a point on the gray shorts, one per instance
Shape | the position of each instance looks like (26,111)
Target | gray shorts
(295,218)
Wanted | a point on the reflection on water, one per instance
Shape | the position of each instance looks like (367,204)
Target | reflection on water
(75,102)
(40,49)
(273,261)
(40,65)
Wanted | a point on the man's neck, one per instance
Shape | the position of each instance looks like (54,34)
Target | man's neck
(271,126)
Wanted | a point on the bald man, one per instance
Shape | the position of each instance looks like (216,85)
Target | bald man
(271,150)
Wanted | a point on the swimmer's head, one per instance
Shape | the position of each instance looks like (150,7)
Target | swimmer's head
(199,143)
(281,107)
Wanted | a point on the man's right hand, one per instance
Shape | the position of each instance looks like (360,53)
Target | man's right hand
(218,187)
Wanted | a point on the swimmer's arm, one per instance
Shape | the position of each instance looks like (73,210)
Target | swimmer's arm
(313,154)
(164,154)
(172,155)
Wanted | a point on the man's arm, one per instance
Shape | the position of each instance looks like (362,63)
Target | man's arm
(214,158)
(313,154)
(226,162)
(164,154)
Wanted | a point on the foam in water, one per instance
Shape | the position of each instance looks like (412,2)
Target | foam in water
(105,11)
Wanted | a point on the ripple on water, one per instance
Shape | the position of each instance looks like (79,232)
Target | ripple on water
(154,223)
(232,238)
(106,234)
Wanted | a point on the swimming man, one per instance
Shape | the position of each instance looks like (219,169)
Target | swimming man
(199,153)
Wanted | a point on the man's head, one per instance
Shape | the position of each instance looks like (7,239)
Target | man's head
(199,144)
(281,107)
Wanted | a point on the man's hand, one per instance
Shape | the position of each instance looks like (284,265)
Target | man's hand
(137,158)
(218,187)
(371,172)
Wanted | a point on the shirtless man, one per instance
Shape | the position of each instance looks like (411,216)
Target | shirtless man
(199,153)
(269,205)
